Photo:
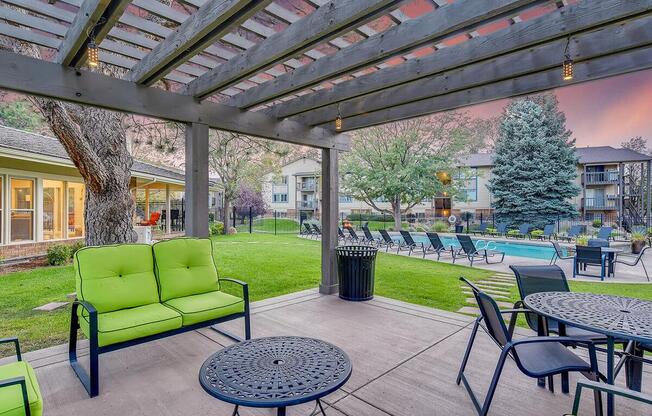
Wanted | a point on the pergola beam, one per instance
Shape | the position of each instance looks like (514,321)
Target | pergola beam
(212,21)
(431,27)
(93,20)
(33,76)
(326,22)
(607,66)
(584,46)
(561,23)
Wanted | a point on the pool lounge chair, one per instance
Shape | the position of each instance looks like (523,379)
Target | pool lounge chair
(409,244)
(482,229)
(317,230)
(340,234)
(387,241)
(368,237)
(436,246)
(308,230)
(573,232)
(605,233)
(470,252)
(501,229)
(548,232)
(353,236)
(523,231)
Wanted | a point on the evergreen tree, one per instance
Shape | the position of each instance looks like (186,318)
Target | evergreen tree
(533,178)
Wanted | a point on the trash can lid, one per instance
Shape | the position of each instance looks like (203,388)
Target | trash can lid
(355,250)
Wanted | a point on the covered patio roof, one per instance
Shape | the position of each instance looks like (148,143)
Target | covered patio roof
(288,69)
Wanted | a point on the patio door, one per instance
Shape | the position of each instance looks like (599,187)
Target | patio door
(53,209)
(21,210)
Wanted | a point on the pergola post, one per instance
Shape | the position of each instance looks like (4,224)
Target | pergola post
(648,204)
(330,208)
(196,211)
(168,209)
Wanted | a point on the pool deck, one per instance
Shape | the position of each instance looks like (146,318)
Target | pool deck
(405,360)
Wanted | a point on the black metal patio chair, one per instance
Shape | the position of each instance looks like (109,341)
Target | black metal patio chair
(632,261)
(548,232)
(589,256)
(368,237)
(387,241)
(436,246)
(606,388)
(559,254)
(353,236)
(469,251)
(340,234)
(482,229)
(317,230)
(308,230)
(536,357)
(409,244)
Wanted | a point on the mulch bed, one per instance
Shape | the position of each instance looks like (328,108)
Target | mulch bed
(22,265)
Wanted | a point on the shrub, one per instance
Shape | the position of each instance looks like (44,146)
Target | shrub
(512,232)
(75,247)
(536,233)
(582,240)
(597,223)
(216,228)
(58,254)
(369,217)
(638,236)
(420,228)
(491,230)
(232,231)
(440,227)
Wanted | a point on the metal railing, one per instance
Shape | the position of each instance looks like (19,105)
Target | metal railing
(599,178)
(307,204)
(608,202)
(307,186)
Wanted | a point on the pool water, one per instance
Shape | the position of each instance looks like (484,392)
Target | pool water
(510,248)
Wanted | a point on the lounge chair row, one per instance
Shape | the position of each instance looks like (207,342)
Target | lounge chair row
(548,232)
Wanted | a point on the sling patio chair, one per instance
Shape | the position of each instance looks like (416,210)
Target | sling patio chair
(632,261)
(353,236)
(537,357)
(501,229)
(548,232)
(436,246)
(522,232)
(409,244)
(559,253)
(469,251)
(387,241)
(481,230)
(573,232)
(368,237)
(340,234)
(307,230)
(589,256)
(317,230)
(605,233)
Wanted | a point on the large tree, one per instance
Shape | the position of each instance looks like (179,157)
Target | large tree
(535,165)
(400,162)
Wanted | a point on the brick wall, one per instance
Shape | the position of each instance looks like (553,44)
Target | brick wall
(13,251)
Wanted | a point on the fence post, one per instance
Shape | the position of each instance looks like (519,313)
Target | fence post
(250,221)
(234,217)
(274,222)
(383,220)
(481,218)
(558,225)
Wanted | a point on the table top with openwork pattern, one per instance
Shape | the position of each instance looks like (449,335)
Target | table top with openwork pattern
(275,372)
(615,316)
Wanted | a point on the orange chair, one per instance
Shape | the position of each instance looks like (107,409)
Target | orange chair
(153,219)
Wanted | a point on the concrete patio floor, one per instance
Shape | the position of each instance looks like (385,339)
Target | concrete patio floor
(405,358)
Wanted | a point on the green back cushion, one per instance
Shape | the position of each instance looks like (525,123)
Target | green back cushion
(116,277)
(184,267)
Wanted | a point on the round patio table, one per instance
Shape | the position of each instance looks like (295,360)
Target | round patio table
(275,372)
(616,317)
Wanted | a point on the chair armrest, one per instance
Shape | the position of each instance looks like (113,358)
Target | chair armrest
(13,340)
(89,307)
(607,388)
(20,381)
(245,287)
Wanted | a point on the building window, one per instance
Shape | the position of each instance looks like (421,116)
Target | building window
(53,206)
(280,198)
(346,199)
(75,210)
(22,209)
(468,187)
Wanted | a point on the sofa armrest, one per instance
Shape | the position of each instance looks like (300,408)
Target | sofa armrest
(13,340)
(245,287)
(23,387)
(92,317)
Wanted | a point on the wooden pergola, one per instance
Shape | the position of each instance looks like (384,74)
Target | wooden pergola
(288,69)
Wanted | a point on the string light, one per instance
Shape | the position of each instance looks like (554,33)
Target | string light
(338,119)
(93,54)
(567,67)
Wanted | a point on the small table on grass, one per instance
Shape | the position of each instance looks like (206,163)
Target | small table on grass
(275,372)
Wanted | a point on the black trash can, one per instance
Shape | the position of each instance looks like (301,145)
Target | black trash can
(355,269)
(459,229)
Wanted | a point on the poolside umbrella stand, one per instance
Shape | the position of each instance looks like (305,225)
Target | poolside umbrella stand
(356,266)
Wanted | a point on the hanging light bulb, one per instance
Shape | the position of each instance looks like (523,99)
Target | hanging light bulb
(567,66)
(338,119)
(93,54)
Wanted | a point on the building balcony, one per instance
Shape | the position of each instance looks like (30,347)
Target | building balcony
(307,186)
(610,202)
(307,204)
(601,178)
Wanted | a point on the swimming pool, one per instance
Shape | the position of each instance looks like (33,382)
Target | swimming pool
(510,248)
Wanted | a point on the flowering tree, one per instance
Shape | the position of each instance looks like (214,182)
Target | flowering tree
(249,199)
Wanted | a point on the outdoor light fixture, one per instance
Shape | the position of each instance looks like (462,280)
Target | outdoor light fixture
(567,67)
(338,119)
(93,54)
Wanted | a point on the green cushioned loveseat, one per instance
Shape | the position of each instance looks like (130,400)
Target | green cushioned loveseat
(129,294)
(19,391)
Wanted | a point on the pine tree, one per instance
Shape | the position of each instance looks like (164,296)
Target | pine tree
(533,178)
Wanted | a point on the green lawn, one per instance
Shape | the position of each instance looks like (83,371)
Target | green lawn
(272,265)
(271,226)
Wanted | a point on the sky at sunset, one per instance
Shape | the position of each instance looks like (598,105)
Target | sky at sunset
(603,112)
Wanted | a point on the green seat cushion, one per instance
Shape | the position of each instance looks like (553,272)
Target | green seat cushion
(133,323)
(206,306)
(11,397)
(116,277)
(184,267)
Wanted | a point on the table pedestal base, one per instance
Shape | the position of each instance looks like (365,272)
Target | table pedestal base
(281,410)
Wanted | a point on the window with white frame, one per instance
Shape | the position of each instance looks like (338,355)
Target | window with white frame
(21,209)
(53,209)
(468,185)
(280,198)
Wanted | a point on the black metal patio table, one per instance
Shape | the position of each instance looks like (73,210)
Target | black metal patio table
(616,317)
(275,372)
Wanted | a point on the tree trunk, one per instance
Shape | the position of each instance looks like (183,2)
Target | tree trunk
(226,209)
(396,213)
